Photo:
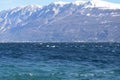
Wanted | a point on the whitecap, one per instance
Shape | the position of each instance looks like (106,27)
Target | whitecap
(30,74)
(53,46)
(47,45)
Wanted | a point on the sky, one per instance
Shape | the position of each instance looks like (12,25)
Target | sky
(8,4)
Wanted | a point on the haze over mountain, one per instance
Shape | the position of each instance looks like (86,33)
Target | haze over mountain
(89,21)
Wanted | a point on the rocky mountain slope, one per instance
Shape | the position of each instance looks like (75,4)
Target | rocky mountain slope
(89,21)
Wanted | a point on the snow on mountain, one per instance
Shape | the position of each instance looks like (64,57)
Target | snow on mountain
(16,15)
(94,20)
(24,9)
(92,4)
(79,2)
(104,4)
(61,3)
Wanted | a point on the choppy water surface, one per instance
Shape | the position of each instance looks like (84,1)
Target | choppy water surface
(59,61)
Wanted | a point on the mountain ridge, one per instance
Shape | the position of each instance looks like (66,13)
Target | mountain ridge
(72,22)
(77,2)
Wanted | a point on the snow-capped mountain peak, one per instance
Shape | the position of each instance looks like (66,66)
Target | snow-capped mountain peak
(104,4)
(79,2)
(91,4)
(61,3)
(30,7)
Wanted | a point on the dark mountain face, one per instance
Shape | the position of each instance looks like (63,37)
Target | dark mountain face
(61,22)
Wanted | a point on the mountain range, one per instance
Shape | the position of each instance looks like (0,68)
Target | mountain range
(79,21)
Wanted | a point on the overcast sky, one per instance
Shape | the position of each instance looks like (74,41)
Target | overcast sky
(7,4)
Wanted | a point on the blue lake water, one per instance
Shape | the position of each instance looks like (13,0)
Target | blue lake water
(60,61)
